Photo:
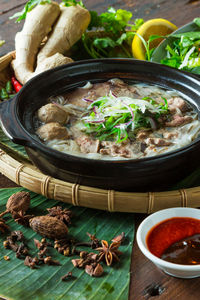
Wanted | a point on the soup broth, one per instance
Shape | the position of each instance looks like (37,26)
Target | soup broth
(113,120)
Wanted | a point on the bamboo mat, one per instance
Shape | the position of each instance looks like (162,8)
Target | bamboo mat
(25,174)
(20,170)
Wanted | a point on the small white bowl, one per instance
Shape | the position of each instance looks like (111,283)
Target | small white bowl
(176,270)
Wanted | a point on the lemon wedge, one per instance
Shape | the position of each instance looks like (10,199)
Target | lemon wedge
(151,27)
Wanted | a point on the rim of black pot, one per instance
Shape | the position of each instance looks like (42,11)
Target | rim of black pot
(55,153)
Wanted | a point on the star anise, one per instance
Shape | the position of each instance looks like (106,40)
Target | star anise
(21,218)
(109,252)
(61,214)
(3,226)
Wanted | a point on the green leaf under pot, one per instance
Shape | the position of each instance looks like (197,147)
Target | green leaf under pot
(12,148)
(17,281)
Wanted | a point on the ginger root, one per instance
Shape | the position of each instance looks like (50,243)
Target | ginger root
(27,42)
(52,62)
(71,22)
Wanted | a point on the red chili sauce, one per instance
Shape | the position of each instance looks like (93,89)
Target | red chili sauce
(176,240)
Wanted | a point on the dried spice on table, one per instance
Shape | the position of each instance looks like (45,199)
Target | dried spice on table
(18,202)
(17,205)
(42,257)
(17,235)
(64,215)
(88,258)
(95,242)
(67,276)
(49,261)
(68,246)
(6,257)
(3,226)
(53,225)
(42,244)
(119,238)
(48,226)
(22,251)
(65,246)
(89,262)
(22,219)
(16,242)
(95,271)
(109,253)
(31,262)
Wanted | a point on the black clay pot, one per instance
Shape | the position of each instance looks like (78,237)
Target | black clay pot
(146,174)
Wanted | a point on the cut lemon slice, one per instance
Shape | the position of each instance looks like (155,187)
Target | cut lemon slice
(151,27)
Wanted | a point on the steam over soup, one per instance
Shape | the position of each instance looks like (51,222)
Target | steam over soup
(114,120)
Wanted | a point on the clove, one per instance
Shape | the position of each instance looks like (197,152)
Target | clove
(67,276)
(49,261)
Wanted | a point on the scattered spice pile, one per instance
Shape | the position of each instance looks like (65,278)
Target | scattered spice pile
(54,226)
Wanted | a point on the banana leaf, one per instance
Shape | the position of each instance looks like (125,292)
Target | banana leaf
(11,148)
(17,281)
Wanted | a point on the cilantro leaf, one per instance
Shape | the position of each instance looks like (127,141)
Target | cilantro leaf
(28,7)
(95,20)
(72,3)
(137,24)
(121,39)
(171,62)
(104,42)
(183,51)
(117,40)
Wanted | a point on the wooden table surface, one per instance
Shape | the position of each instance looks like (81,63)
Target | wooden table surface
(147,282)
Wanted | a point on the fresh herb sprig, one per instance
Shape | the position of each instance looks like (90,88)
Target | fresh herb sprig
(27,8)
(118,118)
(147,44)
(32,3)
(183,50)
(117,26)
(118,32)
(72,3)
(184,53)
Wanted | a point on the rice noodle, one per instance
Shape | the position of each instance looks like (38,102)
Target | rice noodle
(175,137)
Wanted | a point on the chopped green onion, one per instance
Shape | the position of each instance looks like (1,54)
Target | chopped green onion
(118,118)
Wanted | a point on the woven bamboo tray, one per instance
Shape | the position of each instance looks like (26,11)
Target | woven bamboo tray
(24,173)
